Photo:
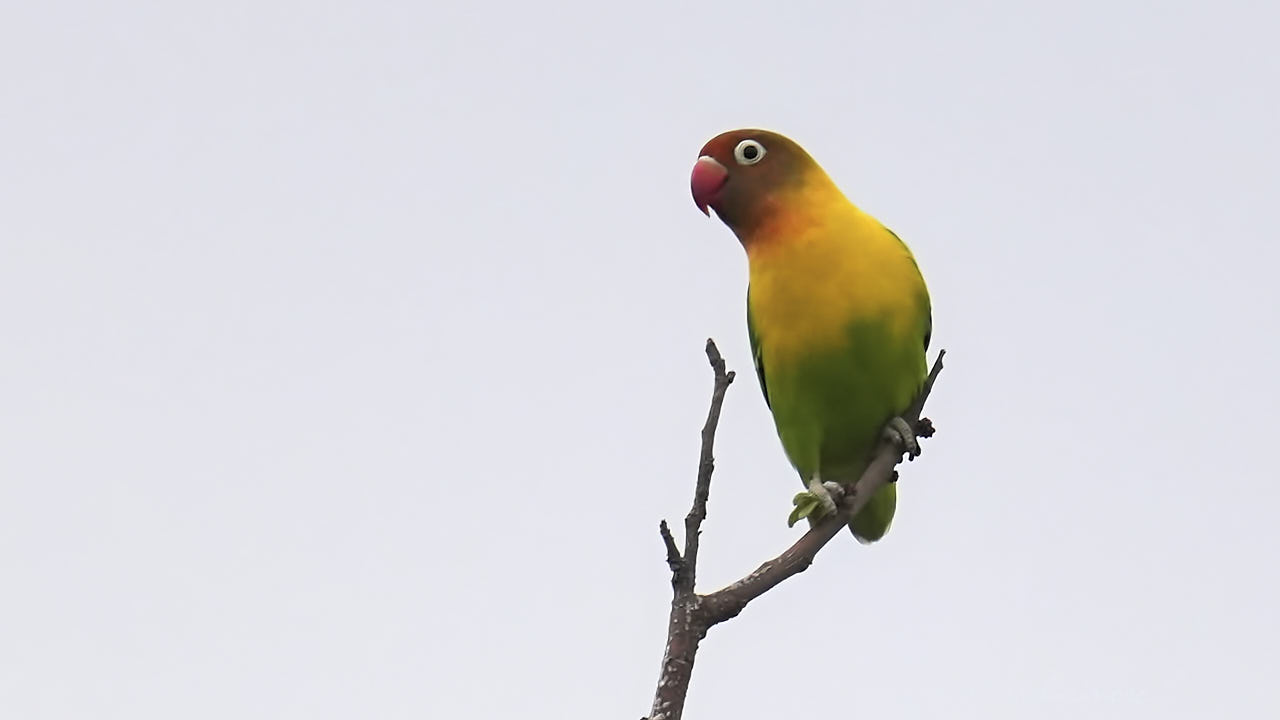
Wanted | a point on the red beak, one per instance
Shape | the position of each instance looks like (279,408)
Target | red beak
(708,178)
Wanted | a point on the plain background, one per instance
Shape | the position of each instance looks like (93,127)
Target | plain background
(352,352)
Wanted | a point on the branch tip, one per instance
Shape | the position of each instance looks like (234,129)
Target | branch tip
(674,561)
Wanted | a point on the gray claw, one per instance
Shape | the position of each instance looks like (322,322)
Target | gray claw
(823,492)
(836,490)
(900,432)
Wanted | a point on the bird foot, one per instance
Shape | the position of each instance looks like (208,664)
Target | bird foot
(899,432)
(822,499)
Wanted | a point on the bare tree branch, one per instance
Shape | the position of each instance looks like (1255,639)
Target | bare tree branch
(706,466)
(684,630)
(693,614)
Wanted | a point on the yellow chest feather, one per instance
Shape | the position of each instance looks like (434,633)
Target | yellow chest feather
(812,281)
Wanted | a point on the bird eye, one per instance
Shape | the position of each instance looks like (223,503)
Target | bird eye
(748,152)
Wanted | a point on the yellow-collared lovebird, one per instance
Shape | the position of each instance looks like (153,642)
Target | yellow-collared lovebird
(837,313)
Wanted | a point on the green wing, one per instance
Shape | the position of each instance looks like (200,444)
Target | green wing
(928,306)
(756,355)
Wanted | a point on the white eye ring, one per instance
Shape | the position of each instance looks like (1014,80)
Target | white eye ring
(748,152)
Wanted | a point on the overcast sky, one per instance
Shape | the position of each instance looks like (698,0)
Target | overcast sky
(353,351)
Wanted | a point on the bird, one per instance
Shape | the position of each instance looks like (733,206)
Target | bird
(838,315)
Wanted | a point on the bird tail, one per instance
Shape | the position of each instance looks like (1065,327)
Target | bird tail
(872,522)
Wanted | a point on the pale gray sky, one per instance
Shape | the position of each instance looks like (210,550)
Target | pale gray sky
(354,350)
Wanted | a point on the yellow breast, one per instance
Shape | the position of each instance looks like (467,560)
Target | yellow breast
(811,279)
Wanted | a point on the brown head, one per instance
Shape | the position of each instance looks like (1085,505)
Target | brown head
(750,176)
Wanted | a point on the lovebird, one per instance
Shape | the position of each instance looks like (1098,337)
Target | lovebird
(838,315)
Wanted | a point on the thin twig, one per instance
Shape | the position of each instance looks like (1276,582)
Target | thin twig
(692,614)
(674,561)
(706,466)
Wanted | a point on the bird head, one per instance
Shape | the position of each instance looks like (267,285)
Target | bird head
(748,176)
